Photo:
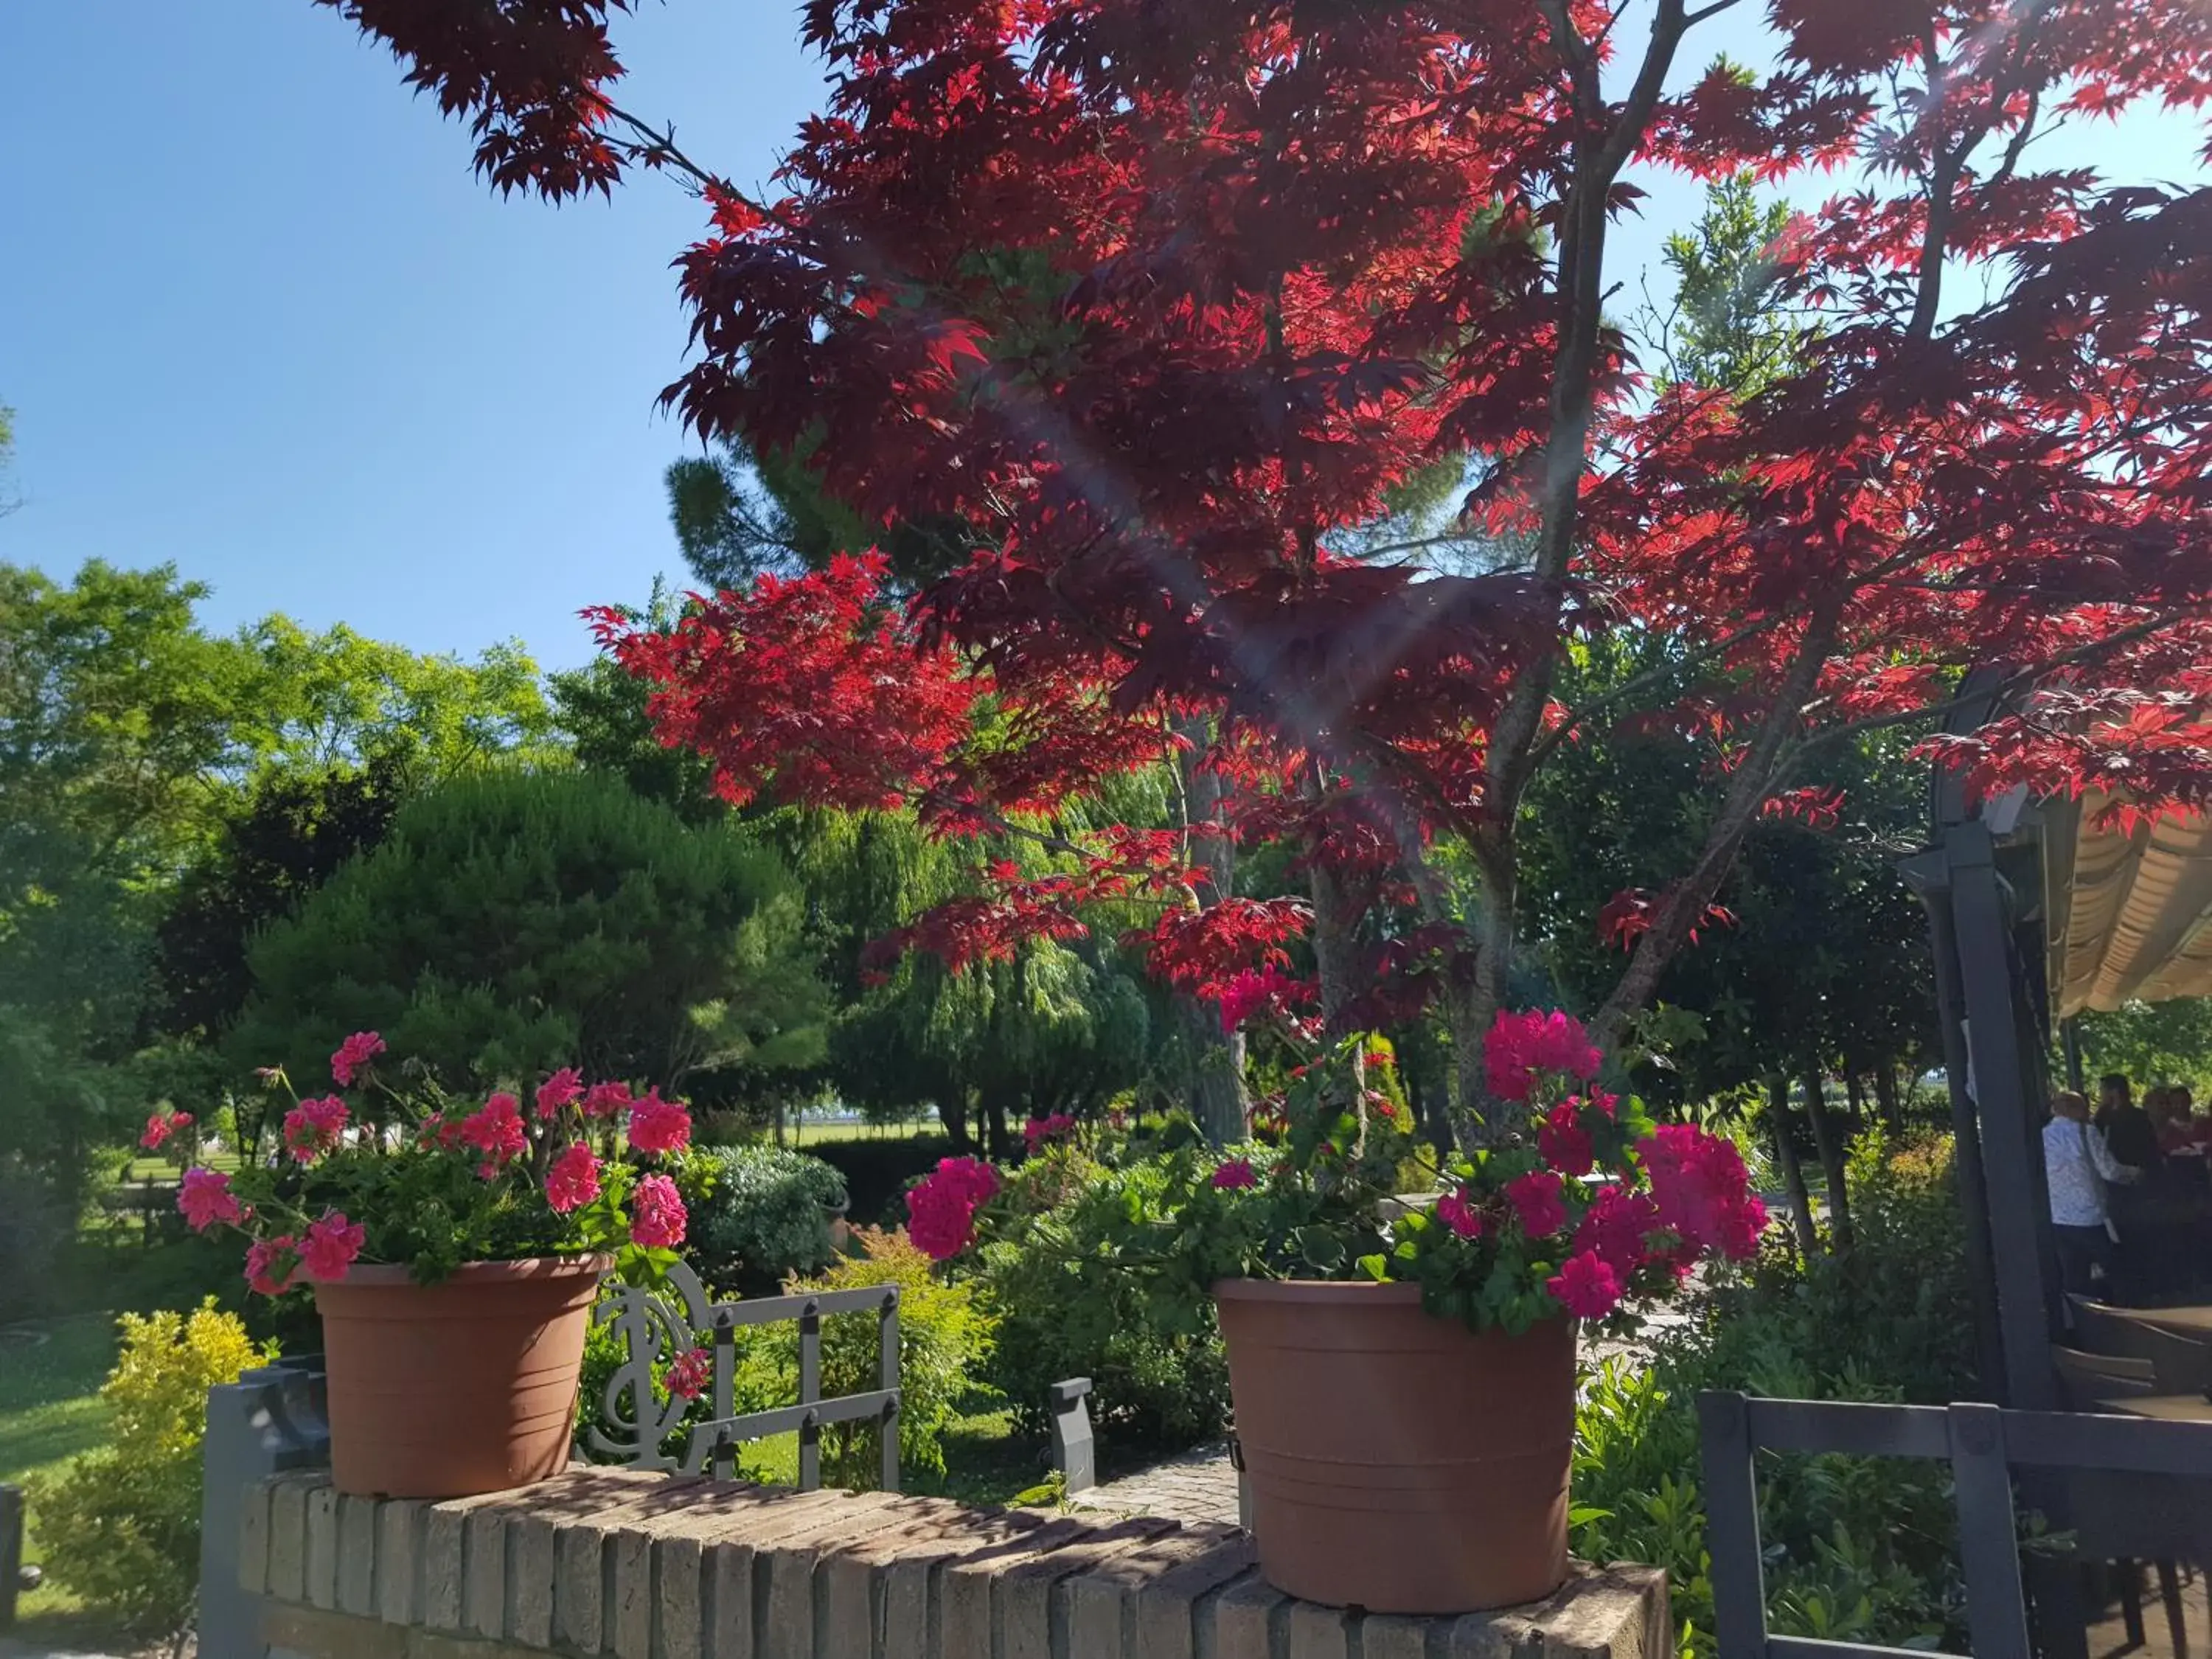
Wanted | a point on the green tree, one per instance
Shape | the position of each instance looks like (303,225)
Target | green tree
(1725,329)
(293,833)
(339,699)
(512,922)
(2153,1041)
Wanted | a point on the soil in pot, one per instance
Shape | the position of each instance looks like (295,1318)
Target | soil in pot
(1398,1461)
(463,1387)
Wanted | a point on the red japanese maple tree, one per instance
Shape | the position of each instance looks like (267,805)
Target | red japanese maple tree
(1163,301)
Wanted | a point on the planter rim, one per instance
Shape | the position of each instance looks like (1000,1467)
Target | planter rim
(1314,1289)
(371,1275)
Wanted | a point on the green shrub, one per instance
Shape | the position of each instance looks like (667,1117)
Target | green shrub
(1857,1549)
(1065,1310)
(121,1525)
(761,1214)
(945,1339)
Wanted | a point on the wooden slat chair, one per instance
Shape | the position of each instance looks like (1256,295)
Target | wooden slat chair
(2182,1366)
(2107,1512)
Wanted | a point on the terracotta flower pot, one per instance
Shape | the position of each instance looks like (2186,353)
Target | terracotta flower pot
(463,1387)
(1398,1461)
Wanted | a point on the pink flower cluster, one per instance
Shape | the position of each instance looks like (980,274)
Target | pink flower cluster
(657,1218)
(658,1125)
(314,1127)
(941,1208)
(204,1198)
(1236,1176)
(1041,1132)
(573,1180)
(1564,1143)
(274,1265)
(1703,1191)
(557,1091)
(161,1126)
(496,1132)
(1453,1210)
(1519,1046)
(689,1373)
(353,1055)
(1537,1200)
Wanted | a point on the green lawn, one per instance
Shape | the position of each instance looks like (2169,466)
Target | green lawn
(985,1462)
(50,1411)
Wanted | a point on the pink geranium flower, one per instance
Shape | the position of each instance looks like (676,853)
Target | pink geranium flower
(1585,1286)
(557,1091)
(573,1180)
(688,1375)
(657,1218)
(658,1125)
(272,1264)
(1564,1143)
(354,1052)
(204,1198)
(314,1127)
(941,1208)
(161,1126)
(1040,1132)
(330,1247)
(1461,1216)
(497,1131)
(1518,1046)
(1616,1229)
(1236,1174)
(1535,1198)
(606,1099)
(1703,1190)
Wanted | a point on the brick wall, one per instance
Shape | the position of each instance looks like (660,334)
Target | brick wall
(650,1567)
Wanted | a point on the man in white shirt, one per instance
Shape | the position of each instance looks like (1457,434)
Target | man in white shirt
(2078,1168)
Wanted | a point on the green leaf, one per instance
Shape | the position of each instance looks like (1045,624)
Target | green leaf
(1376,1267)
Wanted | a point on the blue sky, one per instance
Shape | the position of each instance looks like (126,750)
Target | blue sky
(256,317)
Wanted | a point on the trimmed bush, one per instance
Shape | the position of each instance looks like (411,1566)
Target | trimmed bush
(1063,1311)
(945,1339)
(121,1525)
(760,1214)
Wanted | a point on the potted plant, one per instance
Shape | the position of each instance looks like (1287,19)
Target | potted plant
(454,1248)
(1400,1326)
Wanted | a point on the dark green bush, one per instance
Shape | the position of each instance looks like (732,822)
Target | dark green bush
(1066,1309)
(761,1215)
(1858,1549)
(878,1171)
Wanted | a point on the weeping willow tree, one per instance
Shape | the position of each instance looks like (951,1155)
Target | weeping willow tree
(1055,1028)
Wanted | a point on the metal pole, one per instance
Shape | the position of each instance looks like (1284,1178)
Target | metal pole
(1929,876)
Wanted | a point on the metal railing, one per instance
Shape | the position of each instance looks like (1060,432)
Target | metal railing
(1983,1445)
(653,1327)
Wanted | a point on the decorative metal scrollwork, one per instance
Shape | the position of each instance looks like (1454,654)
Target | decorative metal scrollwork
(653,1327)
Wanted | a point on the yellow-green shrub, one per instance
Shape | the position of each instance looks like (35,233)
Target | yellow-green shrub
(121,1525)
(944,1338)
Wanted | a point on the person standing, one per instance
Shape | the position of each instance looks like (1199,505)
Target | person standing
(2079,1167)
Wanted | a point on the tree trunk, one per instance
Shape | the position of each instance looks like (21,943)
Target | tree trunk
(1336,951)
(1000,1142)
(1214,1086)
(1793,1172)
(1885,1099)
(1214,1061)
(1855,1097)
(954,1116)
(1830,1145)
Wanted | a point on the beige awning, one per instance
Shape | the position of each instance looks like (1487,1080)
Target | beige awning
(2130,913)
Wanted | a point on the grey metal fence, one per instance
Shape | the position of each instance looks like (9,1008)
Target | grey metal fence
(656,1327)
(1983,1445)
